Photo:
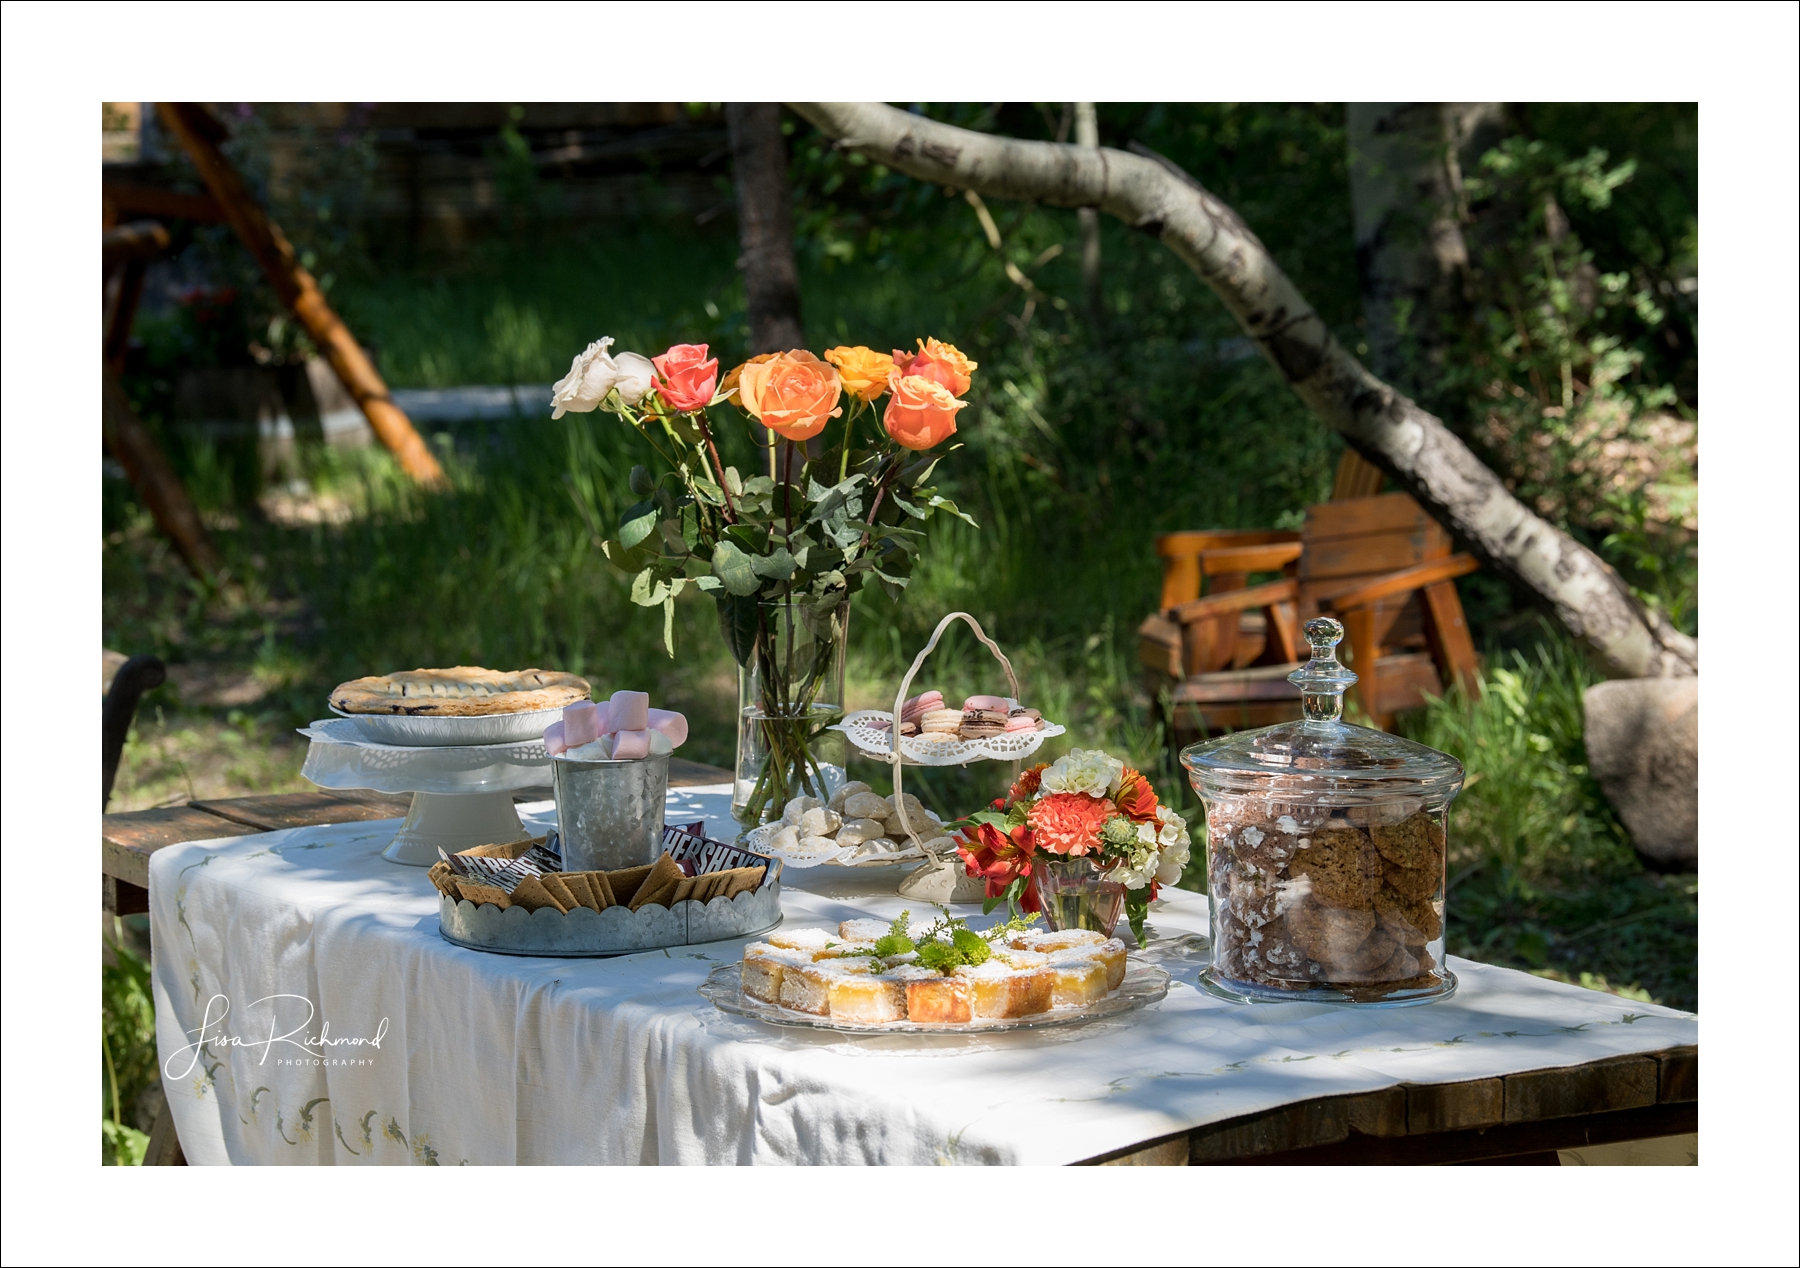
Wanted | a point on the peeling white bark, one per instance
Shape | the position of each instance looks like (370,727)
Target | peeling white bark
(1589,599)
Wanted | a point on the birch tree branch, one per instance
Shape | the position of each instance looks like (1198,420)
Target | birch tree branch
(1150,193)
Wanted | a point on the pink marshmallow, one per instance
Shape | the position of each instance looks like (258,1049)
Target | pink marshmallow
(629,746)
(581,723)
(553,739)
(630,711)
(672,724)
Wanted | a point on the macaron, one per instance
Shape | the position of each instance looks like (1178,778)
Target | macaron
(998,704)
(943,721)
(977,723)
(920,705)
(1023,720)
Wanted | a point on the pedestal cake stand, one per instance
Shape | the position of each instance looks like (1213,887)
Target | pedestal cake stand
(462,795)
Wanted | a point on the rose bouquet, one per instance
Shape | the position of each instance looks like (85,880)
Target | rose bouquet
(782,549)
(1084,824)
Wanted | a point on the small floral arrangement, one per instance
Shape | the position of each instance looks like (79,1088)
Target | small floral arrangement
(1084,804)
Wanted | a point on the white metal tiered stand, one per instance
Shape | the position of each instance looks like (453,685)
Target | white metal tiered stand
(462,796)
(942,878)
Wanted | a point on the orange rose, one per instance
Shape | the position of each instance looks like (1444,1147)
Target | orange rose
(730,382)
(921,412)
(792,393)
(939,362)
(688,377)
(863,370)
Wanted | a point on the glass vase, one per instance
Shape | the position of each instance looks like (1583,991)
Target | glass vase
(790,691)
(1076,896)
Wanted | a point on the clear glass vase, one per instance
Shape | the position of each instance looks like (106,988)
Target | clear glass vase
(790,691)
(1076,896)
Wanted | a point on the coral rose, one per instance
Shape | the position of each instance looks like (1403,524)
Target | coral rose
(1069,823)
(921,412)
(1136,799)
(863,370)
(792,394)
(688,378)
(939,362)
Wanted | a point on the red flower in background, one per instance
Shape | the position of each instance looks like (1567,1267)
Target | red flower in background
(1027,786)
(1136,799)
(688,378)
(999,858)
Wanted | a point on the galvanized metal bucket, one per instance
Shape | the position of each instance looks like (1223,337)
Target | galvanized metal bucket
(610,814)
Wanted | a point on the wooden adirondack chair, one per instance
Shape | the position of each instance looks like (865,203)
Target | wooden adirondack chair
(1377,563)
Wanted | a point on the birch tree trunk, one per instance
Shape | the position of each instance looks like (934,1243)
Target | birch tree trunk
(1150,193)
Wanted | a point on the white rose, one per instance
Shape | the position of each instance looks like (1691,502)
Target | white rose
(591,376)
(1084,771)
(636,376)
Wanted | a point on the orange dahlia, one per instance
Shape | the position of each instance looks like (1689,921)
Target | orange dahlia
(1069,823)
(1136,799)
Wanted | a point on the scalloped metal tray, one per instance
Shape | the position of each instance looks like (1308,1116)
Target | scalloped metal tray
(615,931)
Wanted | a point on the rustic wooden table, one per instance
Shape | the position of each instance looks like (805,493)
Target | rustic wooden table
(1522,1118)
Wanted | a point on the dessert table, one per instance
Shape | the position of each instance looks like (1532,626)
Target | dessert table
(309,1012)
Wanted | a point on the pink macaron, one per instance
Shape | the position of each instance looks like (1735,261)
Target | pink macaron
(997,704)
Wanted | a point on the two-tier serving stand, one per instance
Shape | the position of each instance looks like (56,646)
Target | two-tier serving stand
(877,734)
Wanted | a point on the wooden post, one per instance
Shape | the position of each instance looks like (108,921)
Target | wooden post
(200,134)
(154,479)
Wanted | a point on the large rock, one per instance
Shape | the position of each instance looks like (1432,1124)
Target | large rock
(1643,744)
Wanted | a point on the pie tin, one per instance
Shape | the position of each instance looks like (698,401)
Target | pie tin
(450,732)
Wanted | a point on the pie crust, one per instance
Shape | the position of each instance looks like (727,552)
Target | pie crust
(465,691)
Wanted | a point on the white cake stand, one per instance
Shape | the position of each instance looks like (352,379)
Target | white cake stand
(462,796)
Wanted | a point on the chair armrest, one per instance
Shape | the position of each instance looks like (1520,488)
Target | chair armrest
(1284,591)
(1405,581)
(1261,557)
(1192,542)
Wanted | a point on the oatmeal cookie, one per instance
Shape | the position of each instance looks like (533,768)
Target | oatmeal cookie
(1359,964)
(1343,866)
(1417,842)
(1412,921)
(1326,933)
(1384,813)
(1414,882)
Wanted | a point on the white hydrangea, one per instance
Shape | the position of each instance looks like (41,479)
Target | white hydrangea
(1087,771)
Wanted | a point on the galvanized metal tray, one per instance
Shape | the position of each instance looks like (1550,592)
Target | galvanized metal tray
(615,931)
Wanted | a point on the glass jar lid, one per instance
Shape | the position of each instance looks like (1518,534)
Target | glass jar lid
(1321,757)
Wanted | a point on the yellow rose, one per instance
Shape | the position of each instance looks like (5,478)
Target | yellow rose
(863,370)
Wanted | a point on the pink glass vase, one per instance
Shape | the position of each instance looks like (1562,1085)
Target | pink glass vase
(1075,896)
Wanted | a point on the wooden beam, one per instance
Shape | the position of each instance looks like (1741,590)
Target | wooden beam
(154,479)
(200,133)
(146,200)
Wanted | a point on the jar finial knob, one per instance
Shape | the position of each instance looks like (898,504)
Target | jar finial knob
(1322,680)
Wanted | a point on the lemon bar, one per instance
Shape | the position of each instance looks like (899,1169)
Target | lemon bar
(994,989)
(802,939)
(763,968)
(938,999)
(841,950)
(1111,953)
(1015,958)
(1036,990)
(866,998)
(862,930)
(1047,940)
(1073,983)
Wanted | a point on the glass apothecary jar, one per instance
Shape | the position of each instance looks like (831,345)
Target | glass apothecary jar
(1325,852)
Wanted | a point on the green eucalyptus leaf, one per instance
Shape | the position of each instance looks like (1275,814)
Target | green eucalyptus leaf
(735,568)
(737,623)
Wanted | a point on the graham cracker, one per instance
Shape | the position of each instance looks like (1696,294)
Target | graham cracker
(505,850)
(659,886)
(744,880)
(599,882)
(531,894)
(684,890)
(625,882)
(477,893)
(440,875)
(554,882)
(578,886)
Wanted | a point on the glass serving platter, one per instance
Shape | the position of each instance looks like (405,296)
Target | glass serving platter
(1144,984)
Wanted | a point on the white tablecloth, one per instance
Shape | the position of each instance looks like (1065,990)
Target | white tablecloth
(428,1053)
